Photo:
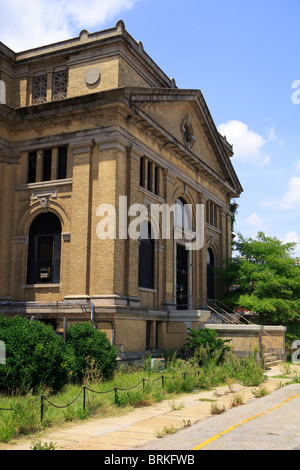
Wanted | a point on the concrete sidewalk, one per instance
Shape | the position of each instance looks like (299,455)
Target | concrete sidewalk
(141,426)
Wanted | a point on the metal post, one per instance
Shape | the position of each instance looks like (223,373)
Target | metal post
(84,388)
(163,384)
(116,395)
(42,408)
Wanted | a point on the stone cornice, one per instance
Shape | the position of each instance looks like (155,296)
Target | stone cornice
(98,43)
(130,99)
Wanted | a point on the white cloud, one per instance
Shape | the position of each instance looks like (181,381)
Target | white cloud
(297,166)
(292,197)
(273,137)
(34,23)
(255,222)
(247,145)
(293,237)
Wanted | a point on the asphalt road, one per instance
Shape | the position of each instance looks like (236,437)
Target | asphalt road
(267,423)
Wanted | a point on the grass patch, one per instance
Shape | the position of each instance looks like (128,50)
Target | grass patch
(260,392)
(136,387)
(217,409)
(237,400)
(166,430)
(174,406)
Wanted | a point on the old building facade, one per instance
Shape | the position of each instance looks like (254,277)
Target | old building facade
(89,122)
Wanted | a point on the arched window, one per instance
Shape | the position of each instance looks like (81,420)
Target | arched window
(44,250)
(146,257)
(183,216)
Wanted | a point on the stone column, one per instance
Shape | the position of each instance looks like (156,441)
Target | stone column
(54,163)
(115,274)
(80,223)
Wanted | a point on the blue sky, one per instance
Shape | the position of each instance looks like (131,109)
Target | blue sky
(244,57)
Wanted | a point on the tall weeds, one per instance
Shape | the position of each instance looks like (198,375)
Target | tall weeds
(140,386)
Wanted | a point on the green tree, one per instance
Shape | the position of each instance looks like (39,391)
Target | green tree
(264,278)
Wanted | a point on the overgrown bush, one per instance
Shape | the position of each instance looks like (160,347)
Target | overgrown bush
(247,371)
(35,356)
(208,344)
(90,346)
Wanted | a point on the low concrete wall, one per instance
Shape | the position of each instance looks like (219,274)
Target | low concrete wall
(246,339)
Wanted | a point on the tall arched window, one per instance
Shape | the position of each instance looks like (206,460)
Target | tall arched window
(44,250)
(183,216)
(146,257)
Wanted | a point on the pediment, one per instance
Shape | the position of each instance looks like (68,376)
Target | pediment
(184,117)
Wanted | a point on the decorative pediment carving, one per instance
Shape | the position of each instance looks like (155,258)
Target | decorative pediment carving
(187,132)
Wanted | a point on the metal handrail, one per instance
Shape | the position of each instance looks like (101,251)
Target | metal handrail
(270,343)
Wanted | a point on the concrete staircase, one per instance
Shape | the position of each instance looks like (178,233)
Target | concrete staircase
(270,357)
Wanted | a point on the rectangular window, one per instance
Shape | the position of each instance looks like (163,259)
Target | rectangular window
(216,216)
(150,176)
(47,160)
(39,93)
(212,211)
(31,178)
(62,163)
(142,172)
(60,85)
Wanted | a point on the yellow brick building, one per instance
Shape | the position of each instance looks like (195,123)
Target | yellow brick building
(93,121)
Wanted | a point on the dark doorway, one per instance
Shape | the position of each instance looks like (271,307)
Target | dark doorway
(44,250)
(210,274)
(181,277)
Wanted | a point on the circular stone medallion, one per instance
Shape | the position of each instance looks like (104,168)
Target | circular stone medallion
(92,76)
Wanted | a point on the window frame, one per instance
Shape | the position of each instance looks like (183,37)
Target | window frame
(40,230)
(60,85)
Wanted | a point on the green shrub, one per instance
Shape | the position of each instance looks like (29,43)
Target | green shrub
(7,432)
(46,446)
(89,345)
(247,371)
(209,344)
(35,356)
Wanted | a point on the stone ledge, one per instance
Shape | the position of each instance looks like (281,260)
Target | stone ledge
(189,315)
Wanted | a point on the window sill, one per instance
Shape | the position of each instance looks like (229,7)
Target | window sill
(147,289)
(44,184)
(42,286)
(212,227)
(151,194)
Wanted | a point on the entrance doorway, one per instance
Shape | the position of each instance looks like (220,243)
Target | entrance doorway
(44,250)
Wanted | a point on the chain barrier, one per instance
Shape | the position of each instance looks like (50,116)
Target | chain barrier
(83,391)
